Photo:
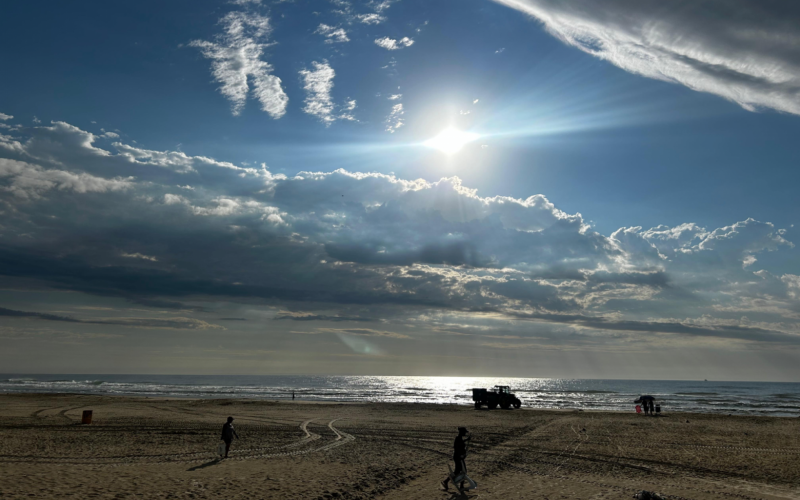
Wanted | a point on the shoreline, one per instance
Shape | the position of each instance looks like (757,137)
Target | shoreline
(245,400)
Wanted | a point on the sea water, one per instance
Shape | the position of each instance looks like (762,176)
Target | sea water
(740,398)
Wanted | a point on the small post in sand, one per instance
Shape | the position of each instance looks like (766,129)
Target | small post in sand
(86,419)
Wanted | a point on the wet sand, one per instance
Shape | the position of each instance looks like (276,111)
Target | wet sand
(156,448)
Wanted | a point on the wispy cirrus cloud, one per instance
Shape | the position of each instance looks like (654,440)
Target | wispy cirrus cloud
(711,46)
(177,323)
(395,119)
(236,57)
(371,18)
(381,5)
(318,83)
(332,34)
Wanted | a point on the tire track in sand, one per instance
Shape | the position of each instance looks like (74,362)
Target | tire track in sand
(341,439)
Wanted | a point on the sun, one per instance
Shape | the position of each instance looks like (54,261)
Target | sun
(450,140)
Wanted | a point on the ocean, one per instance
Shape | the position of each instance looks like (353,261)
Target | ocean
(738,398)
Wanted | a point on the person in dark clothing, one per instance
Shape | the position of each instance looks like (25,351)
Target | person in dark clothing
(648,404)
(228,433)
(459,454)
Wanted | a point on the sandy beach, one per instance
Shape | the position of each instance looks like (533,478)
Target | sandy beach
(157,448)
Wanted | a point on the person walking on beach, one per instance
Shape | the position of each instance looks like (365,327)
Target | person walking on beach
(459,454)
(228,433)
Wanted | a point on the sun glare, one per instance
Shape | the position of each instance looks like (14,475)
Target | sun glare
(450,140)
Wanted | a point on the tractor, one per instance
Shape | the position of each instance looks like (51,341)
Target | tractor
(500,395)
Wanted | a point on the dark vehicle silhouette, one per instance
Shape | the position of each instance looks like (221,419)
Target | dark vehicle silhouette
(499,396)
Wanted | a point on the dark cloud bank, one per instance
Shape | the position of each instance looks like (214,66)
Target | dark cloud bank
(162,228)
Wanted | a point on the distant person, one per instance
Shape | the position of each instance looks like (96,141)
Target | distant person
(459,454)
(648,404)
(228,433)
(292,395)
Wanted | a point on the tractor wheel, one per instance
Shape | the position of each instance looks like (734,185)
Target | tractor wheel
(492,406)
(504,405)
(517,403)
(477,405)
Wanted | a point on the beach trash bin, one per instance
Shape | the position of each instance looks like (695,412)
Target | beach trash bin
(638,408)
(86,419)
(658,408)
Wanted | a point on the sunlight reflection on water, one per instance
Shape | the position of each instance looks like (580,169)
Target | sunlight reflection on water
(721,397)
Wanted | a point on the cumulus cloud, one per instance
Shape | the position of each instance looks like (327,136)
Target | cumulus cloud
(710,46)
(25,180)
(5,117)
(392,44)
(332,34)
(379,248)
(236,63)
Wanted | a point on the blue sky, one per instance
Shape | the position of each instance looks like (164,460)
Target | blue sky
(125,151)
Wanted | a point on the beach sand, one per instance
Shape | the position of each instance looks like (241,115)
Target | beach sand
(157,448)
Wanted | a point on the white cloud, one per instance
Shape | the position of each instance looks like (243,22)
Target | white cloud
(395,97)
(392,44)
(349,105)
(318,84)
(370,18)
(711,46)
(28,181)
(381,5)
(137,255)
(332,34)
(110,135)
(175,199)
(5,117)
(236,56)
(174,160)
(395,119)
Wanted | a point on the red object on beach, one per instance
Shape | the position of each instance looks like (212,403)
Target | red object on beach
(638,408)
(86,418)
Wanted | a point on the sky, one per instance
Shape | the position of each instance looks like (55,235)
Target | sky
(526,188)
